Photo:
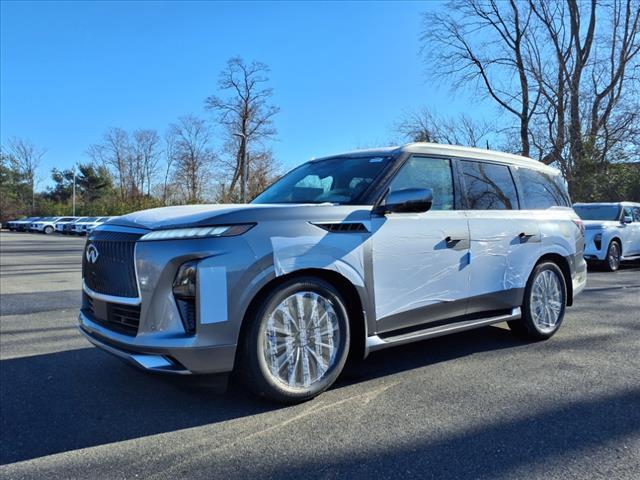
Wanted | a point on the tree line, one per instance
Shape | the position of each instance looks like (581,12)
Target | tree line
(564,75)
(195,160)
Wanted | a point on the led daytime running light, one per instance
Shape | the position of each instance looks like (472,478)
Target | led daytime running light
(199,232)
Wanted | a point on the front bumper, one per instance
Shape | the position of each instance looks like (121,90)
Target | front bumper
(162,359)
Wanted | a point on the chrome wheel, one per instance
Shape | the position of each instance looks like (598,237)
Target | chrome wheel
(546,301)
(614,256)
(301,339)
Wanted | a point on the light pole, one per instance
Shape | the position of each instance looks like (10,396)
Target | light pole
(74,190)
(244,167)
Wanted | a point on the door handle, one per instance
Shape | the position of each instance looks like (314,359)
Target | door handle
(452,242)
(524,237)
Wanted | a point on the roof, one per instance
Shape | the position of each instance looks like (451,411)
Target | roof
(455,151)
(626,204)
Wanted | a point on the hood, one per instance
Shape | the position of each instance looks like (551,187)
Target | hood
(209,215)
(595,224)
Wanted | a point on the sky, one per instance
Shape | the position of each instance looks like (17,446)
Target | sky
(342,73)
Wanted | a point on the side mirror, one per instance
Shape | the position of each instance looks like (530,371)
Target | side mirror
(406,200)
(627,219)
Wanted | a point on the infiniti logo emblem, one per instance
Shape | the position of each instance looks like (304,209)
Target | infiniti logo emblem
(91,253)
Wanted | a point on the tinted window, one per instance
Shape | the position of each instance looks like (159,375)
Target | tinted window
(541,190)
(598,212)
(489,186)
(636,214)
(433,173)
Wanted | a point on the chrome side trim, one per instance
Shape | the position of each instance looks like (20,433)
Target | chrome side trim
(111,298)
(374,342)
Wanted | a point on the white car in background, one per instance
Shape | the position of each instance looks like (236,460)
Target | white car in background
(612,232)
(59,226)
(48,224)
(88,224)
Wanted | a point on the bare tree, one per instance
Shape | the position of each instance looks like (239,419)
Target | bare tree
(147,158)
(567,70)
(424,126)
(191,156)
(484,42)
(115,152)
(25,158)
(245,113)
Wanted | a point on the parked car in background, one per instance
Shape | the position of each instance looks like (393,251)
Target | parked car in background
(351,253)
(12,225)
(88,224)
(69,228)
(61,224)
(47,225)
(23,225)
(612,232)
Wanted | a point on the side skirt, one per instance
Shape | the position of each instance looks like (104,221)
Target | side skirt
(377,342)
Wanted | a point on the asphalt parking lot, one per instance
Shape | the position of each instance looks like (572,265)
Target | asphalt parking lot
(479,404)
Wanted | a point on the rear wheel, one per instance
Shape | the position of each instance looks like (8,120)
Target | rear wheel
(48,230)
(545,300)
(614,253)
(297,342)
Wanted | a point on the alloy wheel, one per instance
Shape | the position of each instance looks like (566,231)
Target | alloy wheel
(546,301)
(301,340)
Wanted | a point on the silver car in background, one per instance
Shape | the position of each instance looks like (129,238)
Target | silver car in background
(342,256)
(612,232)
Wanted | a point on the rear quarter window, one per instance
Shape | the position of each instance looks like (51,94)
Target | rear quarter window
(541,190)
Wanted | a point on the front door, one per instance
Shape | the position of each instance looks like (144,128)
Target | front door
(420,260)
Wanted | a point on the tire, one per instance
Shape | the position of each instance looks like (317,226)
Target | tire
(309,378)
(48,230)
(614,252)
(540,320)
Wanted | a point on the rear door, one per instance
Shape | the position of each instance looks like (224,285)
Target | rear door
(631,232)
(419,260)
(505,241)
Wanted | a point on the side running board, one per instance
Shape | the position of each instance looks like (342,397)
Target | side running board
(376,342)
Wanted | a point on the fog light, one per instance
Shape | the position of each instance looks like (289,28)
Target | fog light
(184,291)
(597,240)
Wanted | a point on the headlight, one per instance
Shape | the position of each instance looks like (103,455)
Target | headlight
(199,232)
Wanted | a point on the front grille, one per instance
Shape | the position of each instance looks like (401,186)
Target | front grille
(113,271)
(120,318)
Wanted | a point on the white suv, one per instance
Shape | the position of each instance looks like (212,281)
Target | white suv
(612,232)
(351,253)
(47,225)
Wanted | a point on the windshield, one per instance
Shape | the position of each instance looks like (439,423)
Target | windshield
(90,219)
(598,212)
(334,180)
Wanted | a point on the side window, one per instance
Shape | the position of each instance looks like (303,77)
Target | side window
(636,214)
(541,191)
(433,173)
(489,186)
(627,212)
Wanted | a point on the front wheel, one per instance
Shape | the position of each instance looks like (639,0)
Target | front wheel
(614,253)
(48,230)
(545,301)
(297,342)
